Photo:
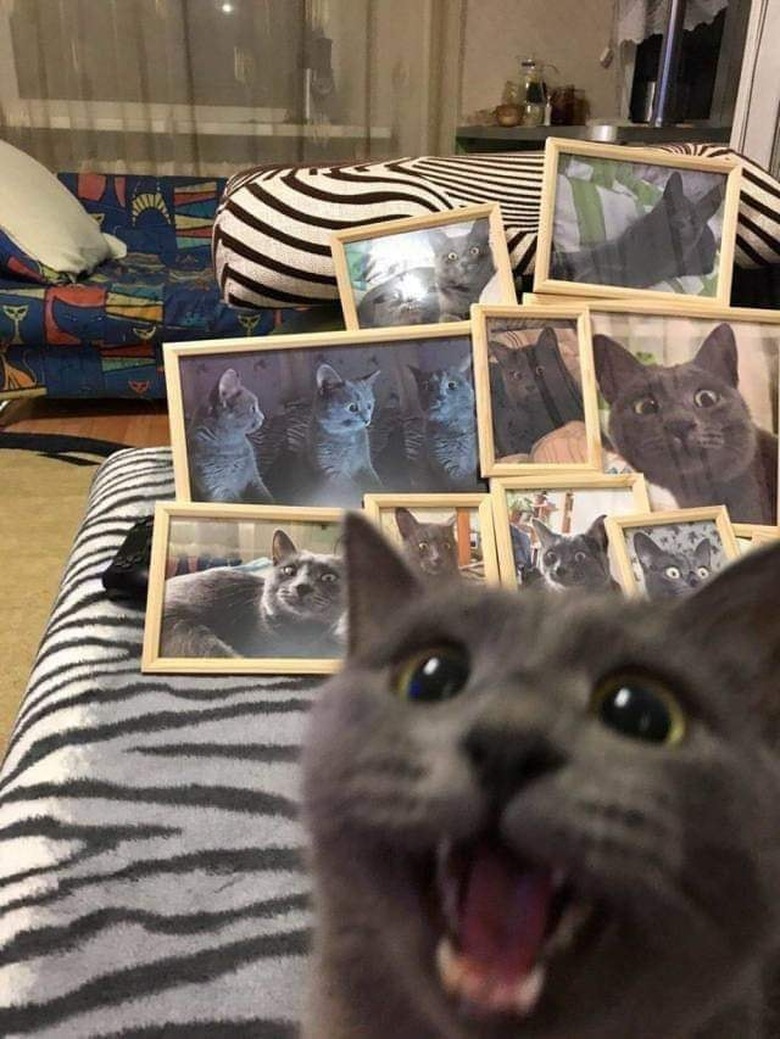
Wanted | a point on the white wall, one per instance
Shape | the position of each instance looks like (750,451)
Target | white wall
(758,102)
(570,34)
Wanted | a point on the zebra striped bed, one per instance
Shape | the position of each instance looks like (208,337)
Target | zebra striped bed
(150,870)
(271,233)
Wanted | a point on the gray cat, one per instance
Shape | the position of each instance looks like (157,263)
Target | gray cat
(547,817)
(222,460)
(670,574)
(431,548)
(449,426)
(294,609)
(672,240)
(688,429)
(575,560)
(463,266)
(409,298)
(338,443)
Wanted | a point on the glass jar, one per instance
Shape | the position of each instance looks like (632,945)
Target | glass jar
(533,94)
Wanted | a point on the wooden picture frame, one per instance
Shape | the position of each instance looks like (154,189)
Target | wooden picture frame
(536,390)
(246,538)
(385,271)
(655,225)
(339,414)
(690,398)
(581,499)
(677,557)
(468,550)
(754,535)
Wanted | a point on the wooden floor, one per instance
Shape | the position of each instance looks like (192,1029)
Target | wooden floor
(135,423)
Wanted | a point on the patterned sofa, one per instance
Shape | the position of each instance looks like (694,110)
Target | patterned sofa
(101,335)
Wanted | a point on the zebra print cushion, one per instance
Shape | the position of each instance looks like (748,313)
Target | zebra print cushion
(271,232)
(150,874)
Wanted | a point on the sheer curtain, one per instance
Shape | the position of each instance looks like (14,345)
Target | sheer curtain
(209,87)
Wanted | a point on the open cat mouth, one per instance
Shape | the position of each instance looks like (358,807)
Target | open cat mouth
(506,921)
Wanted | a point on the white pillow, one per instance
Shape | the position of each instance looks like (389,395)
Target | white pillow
(44,220)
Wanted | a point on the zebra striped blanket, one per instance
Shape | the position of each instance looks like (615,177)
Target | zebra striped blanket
(150,872)
(271,235)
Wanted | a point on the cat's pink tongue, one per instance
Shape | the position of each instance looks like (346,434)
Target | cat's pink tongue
(504,914)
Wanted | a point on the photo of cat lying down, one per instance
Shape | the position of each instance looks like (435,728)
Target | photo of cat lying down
(545,816)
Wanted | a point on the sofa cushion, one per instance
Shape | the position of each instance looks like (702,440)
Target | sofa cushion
(271,235)
(46,235)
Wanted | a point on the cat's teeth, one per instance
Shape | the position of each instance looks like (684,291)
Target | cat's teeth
(447,886)
(573,918)
(478,991)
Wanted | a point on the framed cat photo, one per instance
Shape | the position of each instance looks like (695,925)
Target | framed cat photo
(536,390)
(691,400)
(636,222)
(671,554)
(321,420)
(550,529)
(440,535)
(245,589)
(423,270)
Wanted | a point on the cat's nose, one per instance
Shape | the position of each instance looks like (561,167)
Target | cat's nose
(680,428)
(303,590)
(506,759)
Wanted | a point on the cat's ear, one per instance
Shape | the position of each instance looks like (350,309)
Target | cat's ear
(614,365)
(547,340)
(702,554)
(419,375)
(504,354)
(439,240)
(464,365)
(709,204)
(379,583)
(598,532)
(718,354)
(480,232)
(229,385)
(405,521)
(543,532)
(282,546)
(647,551)
(327,378)
(735,617)
(369,380)
(674,192)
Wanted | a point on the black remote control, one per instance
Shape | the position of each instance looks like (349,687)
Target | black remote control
(127,576)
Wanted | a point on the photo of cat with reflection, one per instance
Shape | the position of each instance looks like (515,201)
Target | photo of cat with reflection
(687,427)
(323,427)
(293,606)
(553,816)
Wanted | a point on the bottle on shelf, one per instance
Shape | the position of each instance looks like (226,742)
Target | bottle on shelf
(532,93)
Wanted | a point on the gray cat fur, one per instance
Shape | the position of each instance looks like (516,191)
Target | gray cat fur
(680,844)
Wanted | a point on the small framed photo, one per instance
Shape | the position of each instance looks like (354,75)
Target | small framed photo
(536,391)
(443,535)
(245,589)
(423,270)
(624,221)
(690,399)
(754,535)
(668,555)
(321,420)
(550,529)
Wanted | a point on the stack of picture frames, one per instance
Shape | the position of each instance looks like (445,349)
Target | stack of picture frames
(615,430)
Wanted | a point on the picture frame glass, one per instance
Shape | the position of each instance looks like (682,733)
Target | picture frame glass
(270,588)
(637,225)
(691,402)
(324,425)
(558,538)
(669,560)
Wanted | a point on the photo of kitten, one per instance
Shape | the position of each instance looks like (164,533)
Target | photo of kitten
(636,225)
(277,604)
(692,403)
(552,815)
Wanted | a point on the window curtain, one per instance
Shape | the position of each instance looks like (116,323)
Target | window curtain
(210,87)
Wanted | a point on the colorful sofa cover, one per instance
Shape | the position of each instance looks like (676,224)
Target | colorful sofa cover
(101,335)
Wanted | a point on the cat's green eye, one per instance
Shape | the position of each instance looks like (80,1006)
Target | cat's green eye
(639,708)
(432,675)
(646,406)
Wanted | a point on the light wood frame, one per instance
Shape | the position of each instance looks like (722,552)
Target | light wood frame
(635,482)
(555,147)
(689,309)
(377,504)
(755,534)
(491,211)
(165,512)
(490,463)
(378,339)
(617,526)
